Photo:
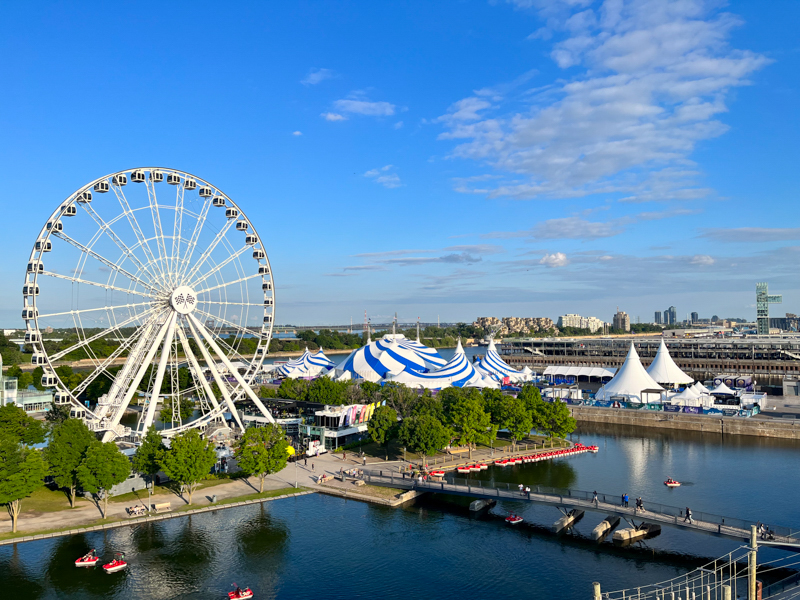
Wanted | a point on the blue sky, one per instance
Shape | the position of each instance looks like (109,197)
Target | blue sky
(452,159)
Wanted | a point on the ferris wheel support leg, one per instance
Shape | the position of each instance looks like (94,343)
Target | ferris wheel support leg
(151,353)
(196,366)
(214,373)
(162,366)
(248,390)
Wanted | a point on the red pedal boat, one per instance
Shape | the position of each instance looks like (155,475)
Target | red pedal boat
(513,519)
(672,483)
(117,564)
(89,559)
(240,594)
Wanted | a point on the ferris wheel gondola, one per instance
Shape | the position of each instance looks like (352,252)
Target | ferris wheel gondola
(160,298)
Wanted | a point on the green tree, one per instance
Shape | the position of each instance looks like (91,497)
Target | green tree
(14,371)
(185,409)
(19,426)
(57,414)
(293,389)
(492,403)
(382,427)
(515,417)
(103,468)
(428,405)
(22,472)
(25,380)
(471,423)
(325,390)
(189,460)
(37,378)
(64,454)
(531,396)
(556,420)
(424,434)
(147,459)
(262,451)
(400,398)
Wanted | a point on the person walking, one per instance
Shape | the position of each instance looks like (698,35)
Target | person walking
(344,455)
(312,467)
(626,500)
(688,516)
(622,500)
(305,461)
(365,461)
(594,498)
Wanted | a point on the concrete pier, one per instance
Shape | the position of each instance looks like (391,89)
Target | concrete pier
(569,519)
(605,526)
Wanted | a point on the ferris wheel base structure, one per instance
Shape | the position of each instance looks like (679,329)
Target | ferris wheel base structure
(154,277)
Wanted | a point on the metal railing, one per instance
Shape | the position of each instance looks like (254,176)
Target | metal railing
(731,526)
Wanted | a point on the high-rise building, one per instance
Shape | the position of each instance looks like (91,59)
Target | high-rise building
(670,316)
(570,320)
(658,318)
(695,317)
(763,300)
(621,321)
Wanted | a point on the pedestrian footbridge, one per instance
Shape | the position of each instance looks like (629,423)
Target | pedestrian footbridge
(608,504)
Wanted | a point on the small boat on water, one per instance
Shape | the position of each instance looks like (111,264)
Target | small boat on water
(117,564)
(513,519)
(437,473)
(672,483)
(482,467)
(464,469)
(240,594)
(89,559)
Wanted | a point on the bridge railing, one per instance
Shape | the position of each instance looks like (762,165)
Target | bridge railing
(554,494)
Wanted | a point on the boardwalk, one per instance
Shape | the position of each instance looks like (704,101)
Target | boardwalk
(783,537)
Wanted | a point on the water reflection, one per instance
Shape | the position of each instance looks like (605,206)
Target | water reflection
(15,574)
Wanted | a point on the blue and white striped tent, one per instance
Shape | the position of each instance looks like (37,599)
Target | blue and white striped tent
(495,367)
(378,359)
(307,365)
(458,372)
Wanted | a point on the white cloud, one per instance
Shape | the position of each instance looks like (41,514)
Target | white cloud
(654,77)
(752,234)
(316,76)
(384,176)
(555,260)
(704,260)
(358,104)
(398,125)
(297,133)
(329,116)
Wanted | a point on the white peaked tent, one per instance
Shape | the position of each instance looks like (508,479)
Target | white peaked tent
(664,370)
(497,368)
(631,381)
(722,390)
(458,372)
(388,355)
(307,365)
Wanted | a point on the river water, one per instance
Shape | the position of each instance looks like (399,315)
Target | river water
(319,546)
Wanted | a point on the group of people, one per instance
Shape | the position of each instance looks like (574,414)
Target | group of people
(764,532)
(137,511)
(524,490)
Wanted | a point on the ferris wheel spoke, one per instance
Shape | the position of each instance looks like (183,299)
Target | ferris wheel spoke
(178,229)
(137,230)
(96,283)
(220,266)
(227,283)
(95,309)
(152,201)
(204,257)
(231,303)
(102,334)
(236,326)
(196,370)
(113,266)
(245,386)
(102,368)
(194,327)
(109,231)
(155,390)
(198,227)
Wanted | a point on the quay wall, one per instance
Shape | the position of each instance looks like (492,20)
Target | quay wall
(774,428)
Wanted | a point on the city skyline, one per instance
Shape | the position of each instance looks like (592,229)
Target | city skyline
(537,162)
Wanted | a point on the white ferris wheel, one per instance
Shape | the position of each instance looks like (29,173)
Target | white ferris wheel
(162,293)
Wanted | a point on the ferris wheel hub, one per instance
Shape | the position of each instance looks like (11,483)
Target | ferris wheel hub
(183,300)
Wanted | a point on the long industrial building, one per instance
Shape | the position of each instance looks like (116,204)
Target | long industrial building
(769,360)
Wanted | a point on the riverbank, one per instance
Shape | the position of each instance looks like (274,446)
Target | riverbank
(753,426)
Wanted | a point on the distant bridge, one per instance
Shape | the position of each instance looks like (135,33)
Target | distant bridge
(608,504)
(356,328)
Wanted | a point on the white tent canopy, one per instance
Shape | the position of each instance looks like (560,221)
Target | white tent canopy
(631,381)
(495,367)
(722,390)
(567,371)
(664,370)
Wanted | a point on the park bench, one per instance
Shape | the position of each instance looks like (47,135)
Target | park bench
(162,507)
(458,450)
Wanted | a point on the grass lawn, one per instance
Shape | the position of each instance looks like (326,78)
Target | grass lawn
(46,500)
(166,489)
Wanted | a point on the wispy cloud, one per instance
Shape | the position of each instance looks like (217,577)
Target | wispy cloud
(358,104)
(331,116)
(555,260)
(752,234)
(316,76)
(653,82)
(298,133)
(384,176)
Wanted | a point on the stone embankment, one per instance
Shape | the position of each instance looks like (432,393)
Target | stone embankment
(762,427)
